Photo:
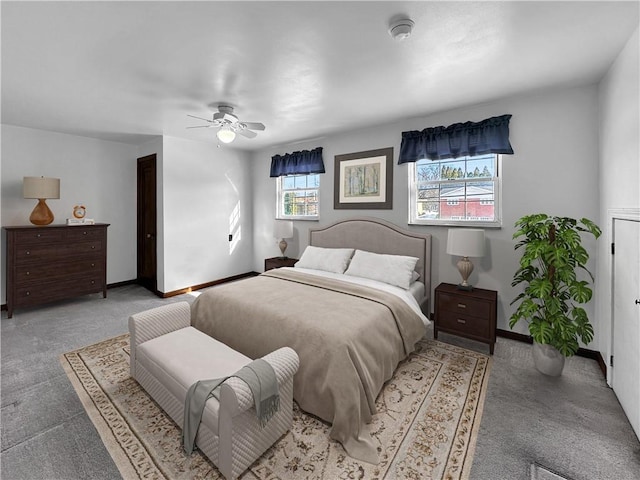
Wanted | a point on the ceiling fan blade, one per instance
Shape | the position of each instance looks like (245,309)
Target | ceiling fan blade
(200,118)
(254,125)
(247,133)
(202,126)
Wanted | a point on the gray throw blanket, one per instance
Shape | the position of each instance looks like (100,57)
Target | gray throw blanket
(260,378)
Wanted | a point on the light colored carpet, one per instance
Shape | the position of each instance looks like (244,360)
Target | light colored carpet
(426,425)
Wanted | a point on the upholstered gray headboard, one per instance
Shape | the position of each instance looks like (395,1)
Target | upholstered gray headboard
(379,236)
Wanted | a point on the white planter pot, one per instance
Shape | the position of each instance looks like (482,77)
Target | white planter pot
(548,359)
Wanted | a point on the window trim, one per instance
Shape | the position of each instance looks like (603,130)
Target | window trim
(412,193)
(279,199)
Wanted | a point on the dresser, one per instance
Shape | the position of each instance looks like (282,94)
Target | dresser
(466,313)
(55,262)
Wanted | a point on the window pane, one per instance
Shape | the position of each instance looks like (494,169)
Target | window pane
(426,170)
(481,167)
(313,181)
(300,181)
(288,182)
(429,210)
(450,170)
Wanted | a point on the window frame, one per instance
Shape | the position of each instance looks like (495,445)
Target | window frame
(280,192)
(497,200)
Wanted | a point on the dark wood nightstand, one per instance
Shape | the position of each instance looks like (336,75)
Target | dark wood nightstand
(470,314)
(277,262)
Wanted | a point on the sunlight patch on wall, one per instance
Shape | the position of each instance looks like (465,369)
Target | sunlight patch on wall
(235,230)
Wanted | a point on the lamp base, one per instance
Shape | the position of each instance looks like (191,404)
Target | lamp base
(283,247)
(465,267)
(467,288)
(41,214)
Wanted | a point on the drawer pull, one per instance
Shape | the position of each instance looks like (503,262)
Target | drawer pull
(460,320)
(38,235)
(28,273)
(93,264)
(28,252)
(93,247)
(462,305)
(93,282)
(28,293)
(84,233)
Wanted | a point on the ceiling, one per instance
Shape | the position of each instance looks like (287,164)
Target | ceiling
(126,71)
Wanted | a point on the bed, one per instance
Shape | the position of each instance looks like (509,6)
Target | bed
(349,332)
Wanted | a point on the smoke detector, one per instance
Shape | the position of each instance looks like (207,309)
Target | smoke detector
(401,29)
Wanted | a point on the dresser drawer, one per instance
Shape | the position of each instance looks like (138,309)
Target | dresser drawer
(474,326)
(464,305)
(48,292)
(52,252)
(83,234)
(38,236)
(46,272)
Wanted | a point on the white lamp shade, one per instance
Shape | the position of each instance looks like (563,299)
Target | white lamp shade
(283,229)
(226,135)
(465,242)
(40,187)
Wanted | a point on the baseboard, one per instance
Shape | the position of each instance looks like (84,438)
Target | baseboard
(582,352)
(122,284)
(206,285)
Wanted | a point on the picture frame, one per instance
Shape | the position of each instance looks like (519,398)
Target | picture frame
(364,180)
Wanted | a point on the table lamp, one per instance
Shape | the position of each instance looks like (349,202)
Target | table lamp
(465,242)
(41,188)
(283,229)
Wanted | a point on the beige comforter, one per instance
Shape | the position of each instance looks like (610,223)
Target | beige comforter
(349,339)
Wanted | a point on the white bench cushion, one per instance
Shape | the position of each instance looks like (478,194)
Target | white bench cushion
(180,358)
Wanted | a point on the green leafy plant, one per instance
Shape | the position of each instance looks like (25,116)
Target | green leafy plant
(552,257)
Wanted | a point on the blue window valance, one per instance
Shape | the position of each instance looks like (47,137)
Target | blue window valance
(457,140)
(297,163)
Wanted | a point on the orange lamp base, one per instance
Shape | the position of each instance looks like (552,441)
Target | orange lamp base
(41,214)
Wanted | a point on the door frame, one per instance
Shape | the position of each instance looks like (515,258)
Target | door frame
(632,214)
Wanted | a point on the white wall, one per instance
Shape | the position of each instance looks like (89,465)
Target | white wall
(554,170)
(619,160)
(98,174)
(206,195)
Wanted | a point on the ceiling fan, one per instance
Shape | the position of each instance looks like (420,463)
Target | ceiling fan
(229,124)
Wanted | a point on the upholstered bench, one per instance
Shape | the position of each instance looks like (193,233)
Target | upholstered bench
(168,356)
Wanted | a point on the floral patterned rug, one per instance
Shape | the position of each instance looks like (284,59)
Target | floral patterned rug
(426,425)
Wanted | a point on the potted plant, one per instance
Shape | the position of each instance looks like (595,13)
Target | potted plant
(553,291)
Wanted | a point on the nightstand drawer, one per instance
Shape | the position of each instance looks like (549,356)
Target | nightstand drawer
(479,327)
(464,305)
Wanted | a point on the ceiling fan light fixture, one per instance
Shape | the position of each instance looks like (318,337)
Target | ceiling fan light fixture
(225,134)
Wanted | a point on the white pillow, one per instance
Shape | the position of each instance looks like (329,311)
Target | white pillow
(392,269)
(328,259)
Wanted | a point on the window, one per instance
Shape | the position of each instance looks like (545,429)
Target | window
(298,197)
(457,191)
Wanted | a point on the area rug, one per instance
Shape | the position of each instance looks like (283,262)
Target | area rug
(426,425)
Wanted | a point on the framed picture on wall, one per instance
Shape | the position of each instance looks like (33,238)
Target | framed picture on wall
(364,180)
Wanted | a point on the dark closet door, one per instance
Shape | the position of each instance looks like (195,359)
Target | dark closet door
(147,224)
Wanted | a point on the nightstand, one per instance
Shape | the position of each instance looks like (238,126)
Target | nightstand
(277,262)
(470,314)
